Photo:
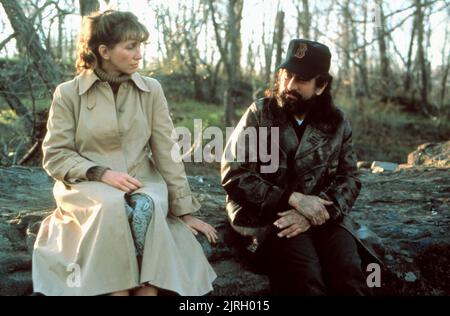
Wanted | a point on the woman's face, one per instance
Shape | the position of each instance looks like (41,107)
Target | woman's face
(123,58)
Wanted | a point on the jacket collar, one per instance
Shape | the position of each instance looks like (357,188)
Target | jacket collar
(319,128)
(87,79)
(325,121)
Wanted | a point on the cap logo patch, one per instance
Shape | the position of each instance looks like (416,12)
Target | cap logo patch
(301,50)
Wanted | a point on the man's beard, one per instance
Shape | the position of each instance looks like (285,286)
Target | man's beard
(297,105)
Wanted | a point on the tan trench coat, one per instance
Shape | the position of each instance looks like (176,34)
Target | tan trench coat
(85,246)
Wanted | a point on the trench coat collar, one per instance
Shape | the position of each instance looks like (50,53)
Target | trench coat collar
(88,77)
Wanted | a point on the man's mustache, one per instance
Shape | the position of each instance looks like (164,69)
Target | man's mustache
(293,94)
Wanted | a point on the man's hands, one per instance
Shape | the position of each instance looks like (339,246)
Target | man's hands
(293,222)
(310,206)
(121,181)
(197,225)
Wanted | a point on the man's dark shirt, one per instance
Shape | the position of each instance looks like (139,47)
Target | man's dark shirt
(299,130)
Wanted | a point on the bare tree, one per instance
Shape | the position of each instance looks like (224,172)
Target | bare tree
(181,31)
(27,36)
(386,78)
(42,62)
(272,40)
(278,36)
(445,67)
(363,72)
(346,47)
(228,46)
(408,75)
(268,48)
(88,6)
(421,55)
(304,18)
(358,57)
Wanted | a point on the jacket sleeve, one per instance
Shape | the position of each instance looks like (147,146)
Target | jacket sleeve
(242,180)
(181,200)
(343,189)
(60,158)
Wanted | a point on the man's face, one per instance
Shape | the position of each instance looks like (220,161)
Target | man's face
(298,96)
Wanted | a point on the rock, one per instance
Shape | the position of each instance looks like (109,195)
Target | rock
(407,211)
(363,164)
(431,154)
(17,284)
(382,166)
(410,277)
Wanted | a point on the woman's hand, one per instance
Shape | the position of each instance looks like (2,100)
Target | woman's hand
(121,181)
(197,225)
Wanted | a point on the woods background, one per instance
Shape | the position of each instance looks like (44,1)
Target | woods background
(390,63)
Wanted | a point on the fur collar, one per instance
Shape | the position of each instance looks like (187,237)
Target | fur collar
(326,119)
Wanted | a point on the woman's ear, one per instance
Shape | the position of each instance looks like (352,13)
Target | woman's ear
(103,51)
(319,90)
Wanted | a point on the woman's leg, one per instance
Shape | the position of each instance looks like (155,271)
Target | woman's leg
(146,290)
(120,293)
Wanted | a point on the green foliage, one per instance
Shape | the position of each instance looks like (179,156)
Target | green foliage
(384,132)
(380,131)
(14,140)
(7,117)
(185,112)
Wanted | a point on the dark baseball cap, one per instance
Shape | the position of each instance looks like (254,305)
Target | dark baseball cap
(307,58)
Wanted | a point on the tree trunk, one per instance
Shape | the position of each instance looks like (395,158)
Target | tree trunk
(446,67)
(28,37)
(408,75)
(88,6)
(268,53)
(421,56)
(303,19)
(235,8)
(59,48)
(386,79)
(15,104)
(214,81)
(346,73)
(363,61)
(45,67)
(279,34)
(306,25)
(228,48)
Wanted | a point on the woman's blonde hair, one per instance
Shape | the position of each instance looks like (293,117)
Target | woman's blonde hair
(107,28)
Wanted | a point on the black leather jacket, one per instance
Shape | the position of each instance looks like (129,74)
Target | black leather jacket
(322,163)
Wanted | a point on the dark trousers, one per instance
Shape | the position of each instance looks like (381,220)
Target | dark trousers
(322,261)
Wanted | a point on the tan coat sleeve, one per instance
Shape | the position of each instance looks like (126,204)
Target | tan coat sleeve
(60,158)
(181,200)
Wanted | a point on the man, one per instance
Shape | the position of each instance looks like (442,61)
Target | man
(298,213)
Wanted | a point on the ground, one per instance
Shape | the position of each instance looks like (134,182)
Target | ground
(407,212)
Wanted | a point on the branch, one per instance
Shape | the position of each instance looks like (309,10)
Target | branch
(6,40)
(216,31)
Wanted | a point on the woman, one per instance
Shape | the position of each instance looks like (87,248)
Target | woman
(123,223)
